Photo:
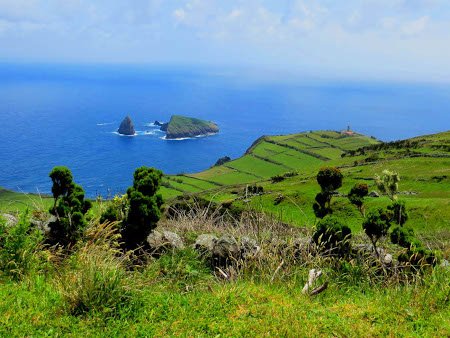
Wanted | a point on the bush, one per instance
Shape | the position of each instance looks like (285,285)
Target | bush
(117,210)
(144,207)
(399,214)
(403,237)
(357,194)
(329,179)
(419,257)
(332,235)
(69,208)
(376,225)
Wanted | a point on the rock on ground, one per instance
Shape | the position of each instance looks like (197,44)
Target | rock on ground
(163,241)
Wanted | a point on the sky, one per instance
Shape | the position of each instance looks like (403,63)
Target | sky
(384,39)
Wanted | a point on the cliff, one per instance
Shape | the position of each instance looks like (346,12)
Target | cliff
(126,127)
(182,126)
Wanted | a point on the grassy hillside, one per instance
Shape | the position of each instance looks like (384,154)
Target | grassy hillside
(13,202)
(270,156)
(422,162)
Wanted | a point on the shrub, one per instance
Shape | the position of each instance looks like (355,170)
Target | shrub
(117,210)
(332,235)
(403,237)
(376,225)
(387,183)
(419,257)
(69,208)
(329,179)
(399,214)
(357,194)
(144,206)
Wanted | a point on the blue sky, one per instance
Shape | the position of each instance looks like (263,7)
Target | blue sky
(384,39)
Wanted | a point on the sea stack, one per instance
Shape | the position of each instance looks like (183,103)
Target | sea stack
(126,127)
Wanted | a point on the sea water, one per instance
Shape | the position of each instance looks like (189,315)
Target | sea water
(69,115)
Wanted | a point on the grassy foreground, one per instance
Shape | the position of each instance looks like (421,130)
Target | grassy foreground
(238,309)
(98,291)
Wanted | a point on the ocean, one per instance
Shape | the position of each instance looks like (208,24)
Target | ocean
(68,115)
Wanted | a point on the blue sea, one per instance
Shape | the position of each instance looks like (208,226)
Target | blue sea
(68,115)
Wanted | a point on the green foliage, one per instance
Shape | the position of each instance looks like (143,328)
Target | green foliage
(332,235)
(399,214)
(116,210)
(144,206)
(376,225)
(403,237)
(62,180)
(321,209)
(329,179)
(254,189)
(181,268)
(419,257)
(387,183)
(357,194)
(69,208)
(20,248)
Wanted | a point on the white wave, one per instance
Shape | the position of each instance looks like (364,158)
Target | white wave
(117,133)
(187,138)
(105,123)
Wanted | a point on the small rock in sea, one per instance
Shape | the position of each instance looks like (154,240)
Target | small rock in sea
(126,127)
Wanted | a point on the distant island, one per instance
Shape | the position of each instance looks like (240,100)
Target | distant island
(126,127)
(182,127)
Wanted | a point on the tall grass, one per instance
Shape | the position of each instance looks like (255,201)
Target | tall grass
(97,277)
(21,248)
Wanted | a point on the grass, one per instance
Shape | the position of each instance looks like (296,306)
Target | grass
(13,202)
(243,309)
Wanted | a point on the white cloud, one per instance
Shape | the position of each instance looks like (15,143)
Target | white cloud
(415,27)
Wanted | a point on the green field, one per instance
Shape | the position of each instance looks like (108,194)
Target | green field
(425,181)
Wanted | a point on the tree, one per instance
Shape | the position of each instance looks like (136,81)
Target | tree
(387,183)
(356,196)
(332,235)
(399,214)
(69,207)
(329,179)
(144,208)
(376,226)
